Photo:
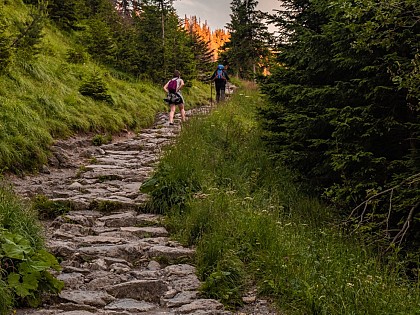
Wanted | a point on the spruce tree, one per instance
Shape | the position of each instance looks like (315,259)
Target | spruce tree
(29,37)
(64,13)
(202,54)
(249,38)
(99,41)
(4,44)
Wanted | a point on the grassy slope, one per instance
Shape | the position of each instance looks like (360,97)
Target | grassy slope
(251,224)
(40,101)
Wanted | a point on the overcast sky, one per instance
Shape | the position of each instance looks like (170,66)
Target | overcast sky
(216,12)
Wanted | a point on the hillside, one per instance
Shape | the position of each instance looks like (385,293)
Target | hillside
(43,78)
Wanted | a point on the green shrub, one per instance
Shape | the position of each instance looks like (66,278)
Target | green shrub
(99,140)
(25,270)
(24,265)
(95,88)
(6,298)
(76,56)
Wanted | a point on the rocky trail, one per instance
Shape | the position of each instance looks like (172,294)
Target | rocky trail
(115,259)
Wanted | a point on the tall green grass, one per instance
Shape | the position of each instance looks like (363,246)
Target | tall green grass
(252,225)
(18,217)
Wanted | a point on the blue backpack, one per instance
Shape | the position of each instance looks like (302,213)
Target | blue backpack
(220,74)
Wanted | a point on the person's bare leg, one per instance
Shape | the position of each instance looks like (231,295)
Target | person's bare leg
(172,114)
(182,110)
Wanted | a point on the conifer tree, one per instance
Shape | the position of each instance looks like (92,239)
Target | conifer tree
(4,44)
(200,42)
(149,59)
(29,37)
(249,37)
(203,55)
(99,40)
(64,13)
(103,25)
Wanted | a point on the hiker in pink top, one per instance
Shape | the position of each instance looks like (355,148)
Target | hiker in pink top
(173,88)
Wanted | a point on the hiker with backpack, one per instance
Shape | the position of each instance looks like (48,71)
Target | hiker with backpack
(173,88)
(220,77)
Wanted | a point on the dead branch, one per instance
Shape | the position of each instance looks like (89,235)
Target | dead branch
(410,180)
(389,210)
(401,234)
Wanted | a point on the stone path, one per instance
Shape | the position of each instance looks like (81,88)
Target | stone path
(117,261)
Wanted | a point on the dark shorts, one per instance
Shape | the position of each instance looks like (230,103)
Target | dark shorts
(174,99)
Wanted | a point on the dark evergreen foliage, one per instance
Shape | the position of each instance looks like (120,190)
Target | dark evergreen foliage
(202,54)
(28,40)
(149,43)
(4,45)
(77,55)
(95,88)
(345,108)
(64,13)
(99,40)
(248,45)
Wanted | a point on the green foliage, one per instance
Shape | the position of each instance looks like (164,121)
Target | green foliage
(6,298)
(99,40)
(48,209)
(19,218)
(251,226)
(64,13)
(344,109)
(99,140)
(24,264)
(202,54)
(76,56)
(226,282)
(5,52)
(169,189)
(28,40)
(158,56)
(26,270)
(95,88)
(247,49)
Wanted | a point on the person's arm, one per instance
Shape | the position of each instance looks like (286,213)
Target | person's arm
(226,76)
(166,87)
(181,84)
(213,76)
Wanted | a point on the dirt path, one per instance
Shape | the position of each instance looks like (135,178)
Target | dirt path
(117,261)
